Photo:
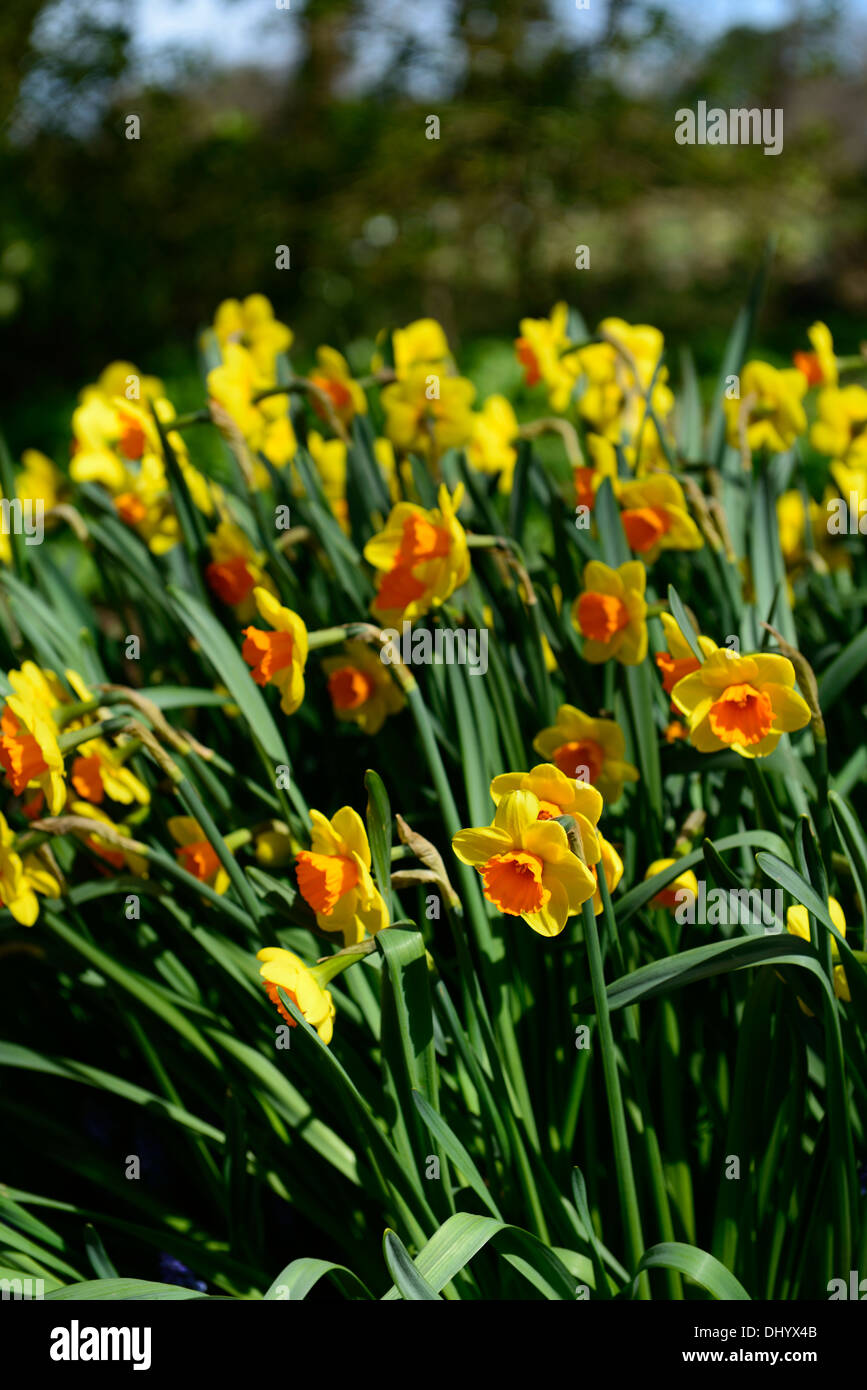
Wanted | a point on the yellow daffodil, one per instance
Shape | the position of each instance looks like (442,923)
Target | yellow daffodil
(685,882)
(611,612)
(21,879)
(542,352)
(840,429)
(196,853)
(741,702)
(798,923)
(333,378)
(526,864)
(819,366)
(770,403)
(98,772)
(361,689)
(284,970)
(276,847)
(592,749)
(29,752)
(655,517)
(265,425)
(252,325)
(678,661)
(421,343)
(334,877)
(587,479)
(558,795)
(427,411)
(236,569)
(277,657)
(422,555)
(492,446)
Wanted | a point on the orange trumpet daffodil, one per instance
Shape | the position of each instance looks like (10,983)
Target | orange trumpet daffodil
(741,702)
(277,657)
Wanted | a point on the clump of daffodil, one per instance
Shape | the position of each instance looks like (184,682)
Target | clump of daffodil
(840,428)
(329,457)
(360,687)
(334,877)
(611,612)
(819,366)
(798,923)
(527,866)
(769,408)
(619,372)
(277,657)
(590,749)
(558,795)
(543,351)
(679,661)
(745,703)
(21,878)
(236,569)
(686,882)
(427,411)
(655,516)
(116,443)
(332,376)
(303,984)
(422,557)
(492,446)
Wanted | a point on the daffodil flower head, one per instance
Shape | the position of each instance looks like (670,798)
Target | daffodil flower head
(592,750)
(667,897)
(527,866)
(334,877)
(282,969)
(361,689)
(745,703)
(611,612)
(422,556)
(278,657)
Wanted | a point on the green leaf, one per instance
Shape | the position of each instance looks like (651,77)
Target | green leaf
(379,835)
(455,1151)
(837,677)
(99,1261)
(410,1284)
(681,617)
(295,1281)
(463,1235)
(636,898)
(698,1265)
(123,1290)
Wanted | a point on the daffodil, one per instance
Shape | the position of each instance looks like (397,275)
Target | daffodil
(98,771)
(679,661)
(655,517)
(840,429)
(798,923)
(196,854)
(329,456)
(421,343)
(21,879)
(558,795)
(686,882)
(592,749)
(251,324)
(422,555)
(284,970)
(526,864)
(334,877)
(611,612)
(492,446)
(745,703)
(769,406)
(277,657)
(542,351)
(361,689)
(236,569)
(333,378)
(29,751)
(427,411)
(265,424)
(819,366)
